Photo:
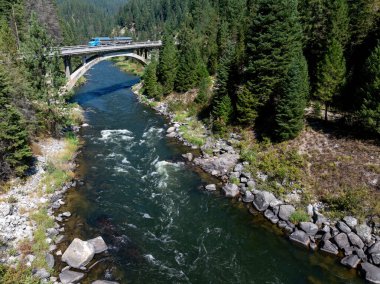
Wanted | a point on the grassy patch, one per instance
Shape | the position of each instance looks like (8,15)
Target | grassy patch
(299,216)
(129,66)
(193,132)
(282,164)
(19,275)
(39,245)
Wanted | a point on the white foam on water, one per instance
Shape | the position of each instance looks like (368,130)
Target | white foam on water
(125,161)
(120,169)
(132,226)
(179,274)
(146,216)
(111,134)
(162,169)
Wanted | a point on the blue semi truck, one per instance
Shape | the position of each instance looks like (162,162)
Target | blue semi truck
(99,41)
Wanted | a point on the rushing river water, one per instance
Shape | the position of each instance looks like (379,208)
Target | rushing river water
(138,194)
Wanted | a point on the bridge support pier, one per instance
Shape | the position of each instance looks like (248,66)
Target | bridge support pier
(146,53)
(84,60)
(67,62)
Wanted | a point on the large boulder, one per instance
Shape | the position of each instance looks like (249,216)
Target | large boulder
(70,277)
(271,216)
(342,241)
(364,232)
(355,240)
(343,227)
(310,228)
(329,247)
(99,244)
(286,211)
(79,253)
(374,251)
(248,197)
(351,261)
(231,190)
(371,272)
(50,260)
(262,200)
(210,187)
(350,221)
(300,237)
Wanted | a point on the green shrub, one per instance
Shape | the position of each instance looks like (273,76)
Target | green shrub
(299,216)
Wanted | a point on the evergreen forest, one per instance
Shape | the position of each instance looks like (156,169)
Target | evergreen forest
(270,61)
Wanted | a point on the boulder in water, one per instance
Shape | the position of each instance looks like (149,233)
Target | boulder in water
(68,276)
(371,272)
(262,200)
(300,237)
(79,253)
(99,244)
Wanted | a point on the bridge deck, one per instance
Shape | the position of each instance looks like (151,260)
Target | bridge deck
(85,50)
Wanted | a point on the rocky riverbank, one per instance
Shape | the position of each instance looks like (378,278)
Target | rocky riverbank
(356,243)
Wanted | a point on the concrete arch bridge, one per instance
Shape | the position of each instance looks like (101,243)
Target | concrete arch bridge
(91,56)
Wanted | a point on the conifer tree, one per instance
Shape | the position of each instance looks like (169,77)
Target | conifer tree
(151,86)
(331,74)
(190,65)
(290,106)
(271,42)
(370,92)
(14,147)
(167,65)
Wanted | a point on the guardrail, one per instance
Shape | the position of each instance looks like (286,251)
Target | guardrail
(83,49)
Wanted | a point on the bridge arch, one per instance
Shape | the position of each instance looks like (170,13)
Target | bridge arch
(75,76)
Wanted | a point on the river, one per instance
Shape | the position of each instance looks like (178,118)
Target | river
(138,194)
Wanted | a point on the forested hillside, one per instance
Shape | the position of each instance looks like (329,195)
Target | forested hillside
(271,58)
(30,105)
(83,19)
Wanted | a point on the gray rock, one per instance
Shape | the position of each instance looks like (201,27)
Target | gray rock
(342,241)
(50,260)
(231,190)
(271,216)
(310,228)
(374,252)
(248,197)
(79,253)
(364,232)
(52,232)
(69,277)
(282,224)
(251,184)
(286,211)
(5,209)
(243,180)
(42,273)
(170,130)
(300,237)
(262,200)
(350,221)
(99,244)
(361,254)
(319,219)
(171,135)
(275,203)
(371,272)
(342,226)
(329,247)
(210,187)
(104,282)
(351,261)
(310,210)
(188,156)
(355,240)
(313,246)
(66,214)
(239,168)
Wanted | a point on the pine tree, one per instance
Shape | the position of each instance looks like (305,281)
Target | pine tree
(370,92)
(271,42)
(167,65)
(331,74)
(15,152)
(222,103)
(151,86)
(189,61)
(290,106)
